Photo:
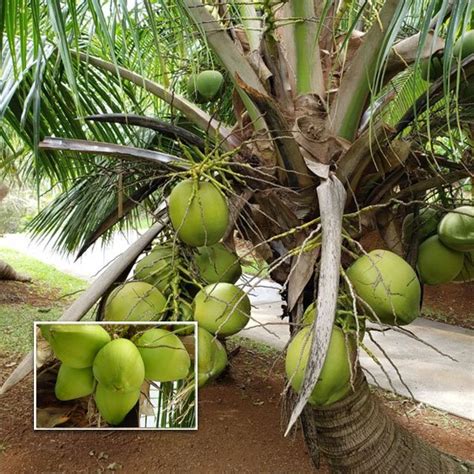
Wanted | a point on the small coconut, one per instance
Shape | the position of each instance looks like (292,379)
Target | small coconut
(388,284)
(209,83)
(222,309)
(134,301)
(217,264)
(73,383)
(456,229)
(437,263)
(198,212)
(464,46)
(114,405)
(119,366)
(164,355)
(76,345)
(157,268)
(44,329)
(334,380)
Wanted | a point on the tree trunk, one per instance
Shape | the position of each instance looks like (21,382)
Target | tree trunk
(7,272)
(356,435)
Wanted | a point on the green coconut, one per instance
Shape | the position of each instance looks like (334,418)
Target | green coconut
(192,90)
(44,329)
(437,263)
(76,345)
(114,405)
(456,229)
(432,68)
(198,212)
(467,271)
(220,359)
(157,268)
(119,366)
(222,309)
(217,264)
(334,381)
(344,320)
(208,84)
(388,284)
(73,383)
(134,301)
(206,355)
(424,225)
(164,355)
(464,45)
(212,357)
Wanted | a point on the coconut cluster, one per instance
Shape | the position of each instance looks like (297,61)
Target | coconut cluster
(189,277)
(446,252)
(113,370)
(388,291)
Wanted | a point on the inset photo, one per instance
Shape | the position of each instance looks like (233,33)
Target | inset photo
(98,375)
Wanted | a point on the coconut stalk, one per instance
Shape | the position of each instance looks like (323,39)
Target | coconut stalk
(89,298)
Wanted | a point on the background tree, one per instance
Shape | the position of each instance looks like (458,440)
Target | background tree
(325,129)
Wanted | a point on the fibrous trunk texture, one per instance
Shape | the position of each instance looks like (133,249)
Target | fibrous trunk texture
(7,272)
(356,435)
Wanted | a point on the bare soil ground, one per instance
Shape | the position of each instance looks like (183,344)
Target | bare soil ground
(240,430)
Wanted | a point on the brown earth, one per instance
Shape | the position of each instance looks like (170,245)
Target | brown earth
(16,293)
(240,430)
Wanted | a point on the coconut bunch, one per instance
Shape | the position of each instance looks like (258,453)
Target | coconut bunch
(386,290)
(190,276)
(113,370)
(446,252)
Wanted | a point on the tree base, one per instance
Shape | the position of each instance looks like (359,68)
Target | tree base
(356,435)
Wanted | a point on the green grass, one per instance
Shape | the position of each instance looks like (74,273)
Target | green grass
(16,320)
(41,273)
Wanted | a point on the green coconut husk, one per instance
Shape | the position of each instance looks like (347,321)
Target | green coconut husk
(135,301)
(437,263)
(114,405)
(388,285)
(119,366)
(198,212)
(164,355)
(334,381)
(77,345)
(222,309)
(73,383)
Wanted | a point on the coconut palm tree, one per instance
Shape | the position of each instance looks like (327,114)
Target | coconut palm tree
(324,130)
